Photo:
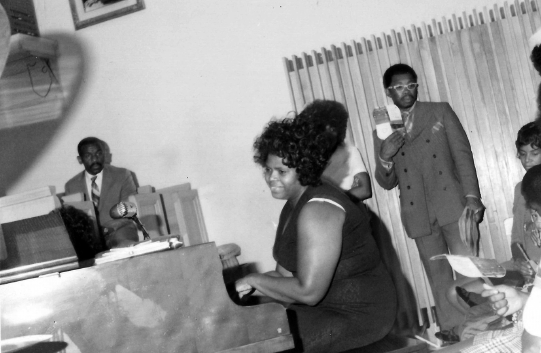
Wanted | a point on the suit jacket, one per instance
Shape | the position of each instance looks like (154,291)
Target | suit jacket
(117,184)
(434,168)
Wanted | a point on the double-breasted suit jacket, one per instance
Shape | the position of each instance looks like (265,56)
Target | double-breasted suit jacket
(117,185)
(434,169)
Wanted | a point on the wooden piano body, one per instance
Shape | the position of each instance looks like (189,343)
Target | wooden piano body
(170,301)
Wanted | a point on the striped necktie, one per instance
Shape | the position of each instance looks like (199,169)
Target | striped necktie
(407,118)
(95,191)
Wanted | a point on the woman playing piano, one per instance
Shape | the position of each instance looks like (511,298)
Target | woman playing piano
(329,273)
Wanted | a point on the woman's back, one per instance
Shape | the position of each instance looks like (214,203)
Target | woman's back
(360,305)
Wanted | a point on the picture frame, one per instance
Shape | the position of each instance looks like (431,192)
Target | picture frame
(90,12)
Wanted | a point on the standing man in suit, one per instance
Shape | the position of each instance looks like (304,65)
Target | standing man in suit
(101,183)
(432,164)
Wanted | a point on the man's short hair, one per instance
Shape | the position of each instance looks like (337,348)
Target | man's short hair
(88,141)
(531,185)
(397,69)
(529,134)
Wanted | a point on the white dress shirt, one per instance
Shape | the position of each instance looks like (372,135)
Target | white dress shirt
(88,179)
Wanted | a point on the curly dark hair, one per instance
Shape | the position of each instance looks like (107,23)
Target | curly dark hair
(81,232)
(531,185)
(535,57)
(301,148)
(397,69)
(323,113)
(529,134)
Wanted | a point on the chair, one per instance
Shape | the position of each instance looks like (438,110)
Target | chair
(233,271)
(228,255)
(174,188)
(77,197)
(167,199)
(189,217)
(173,210)
(145,189)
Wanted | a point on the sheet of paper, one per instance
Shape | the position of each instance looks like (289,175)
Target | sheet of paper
(18,343)
(471,266)
(388,119)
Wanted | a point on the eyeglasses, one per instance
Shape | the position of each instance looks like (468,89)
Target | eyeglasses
(401,88)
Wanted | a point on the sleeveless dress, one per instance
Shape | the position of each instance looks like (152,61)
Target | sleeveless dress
(360,305)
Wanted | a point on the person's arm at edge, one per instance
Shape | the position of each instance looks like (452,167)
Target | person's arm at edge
(463,158)
(517,230)
(245,289)
(386,178)
(319,246)
(362,188)
(279,272)
(128,186)
(461,152)
(530,343)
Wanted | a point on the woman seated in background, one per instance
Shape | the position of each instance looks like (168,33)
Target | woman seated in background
(346,168)
(329,272)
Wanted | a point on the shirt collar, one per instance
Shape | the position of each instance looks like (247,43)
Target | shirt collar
(99,176)
(410,109)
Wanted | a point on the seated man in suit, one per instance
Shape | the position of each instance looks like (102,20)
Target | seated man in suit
(101,183)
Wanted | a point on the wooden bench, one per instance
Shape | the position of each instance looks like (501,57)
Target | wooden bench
(393,344)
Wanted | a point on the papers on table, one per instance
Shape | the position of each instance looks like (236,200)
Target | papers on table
(145,247)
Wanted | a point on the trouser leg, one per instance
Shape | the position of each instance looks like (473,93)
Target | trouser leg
(440,276)
(451,234)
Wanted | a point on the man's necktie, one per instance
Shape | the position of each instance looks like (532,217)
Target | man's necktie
(95,192)
(408,122)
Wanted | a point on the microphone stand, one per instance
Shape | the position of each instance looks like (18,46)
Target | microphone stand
(134,218)
(123,210)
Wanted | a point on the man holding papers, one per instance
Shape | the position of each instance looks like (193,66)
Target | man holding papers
(430,159)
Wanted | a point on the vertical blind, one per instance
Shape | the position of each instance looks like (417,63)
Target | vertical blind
(479,63)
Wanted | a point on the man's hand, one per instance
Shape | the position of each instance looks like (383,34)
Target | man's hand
(391,145)
(474,204)
(503,299)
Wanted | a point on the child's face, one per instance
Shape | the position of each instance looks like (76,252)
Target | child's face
(529,156)
(536,209)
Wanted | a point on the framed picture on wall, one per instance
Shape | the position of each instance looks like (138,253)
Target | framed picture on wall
(90,12)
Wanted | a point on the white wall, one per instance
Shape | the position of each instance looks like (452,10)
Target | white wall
(181,89)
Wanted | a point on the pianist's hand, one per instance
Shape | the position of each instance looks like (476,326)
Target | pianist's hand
(243,288)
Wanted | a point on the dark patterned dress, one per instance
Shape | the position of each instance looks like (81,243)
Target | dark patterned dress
(360,305)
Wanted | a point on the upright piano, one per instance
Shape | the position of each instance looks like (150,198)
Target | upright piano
(169,301)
